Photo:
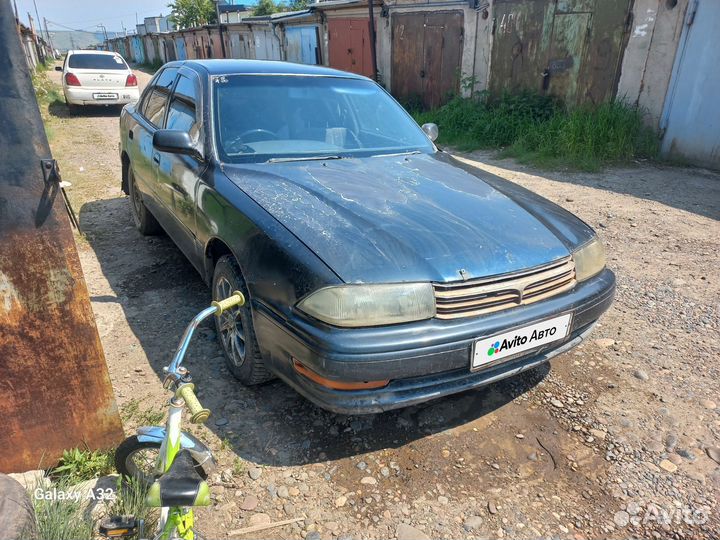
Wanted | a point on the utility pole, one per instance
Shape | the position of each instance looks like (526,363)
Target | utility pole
(373,55)
(220,28)
(37,15)
(104,30)
(48,36)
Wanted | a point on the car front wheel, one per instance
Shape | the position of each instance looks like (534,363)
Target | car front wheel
(235,327)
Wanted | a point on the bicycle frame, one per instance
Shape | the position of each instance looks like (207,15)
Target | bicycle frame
(176,521)
(173,518)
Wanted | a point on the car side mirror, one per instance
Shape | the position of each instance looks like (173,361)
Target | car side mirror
(175,141)
(58,68)
(431,130)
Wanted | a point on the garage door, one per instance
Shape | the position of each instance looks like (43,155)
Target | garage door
(571,49)
(302,44)
(426,54)
(349,45)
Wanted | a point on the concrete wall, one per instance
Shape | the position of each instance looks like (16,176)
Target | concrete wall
(650,53)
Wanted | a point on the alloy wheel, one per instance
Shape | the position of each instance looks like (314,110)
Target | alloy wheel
(230,324)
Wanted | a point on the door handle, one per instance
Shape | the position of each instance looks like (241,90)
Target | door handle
(131,134)
(156,158)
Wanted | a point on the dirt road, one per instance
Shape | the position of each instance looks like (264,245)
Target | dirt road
(614,439)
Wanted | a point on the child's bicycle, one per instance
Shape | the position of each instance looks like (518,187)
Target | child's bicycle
(170,462)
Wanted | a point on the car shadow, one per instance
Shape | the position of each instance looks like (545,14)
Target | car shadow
(60,109)
(159,292)
(692,189)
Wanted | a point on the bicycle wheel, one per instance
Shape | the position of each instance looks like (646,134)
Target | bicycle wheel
(136,459)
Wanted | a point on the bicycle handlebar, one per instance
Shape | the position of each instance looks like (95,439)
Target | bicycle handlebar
(217,308)
(236,299)
(199,413)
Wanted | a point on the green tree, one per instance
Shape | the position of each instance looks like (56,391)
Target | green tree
(297,5)
(265,7)
(192,13)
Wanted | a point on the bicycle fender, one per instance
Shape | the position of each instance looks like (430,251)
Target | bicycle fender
(197,449)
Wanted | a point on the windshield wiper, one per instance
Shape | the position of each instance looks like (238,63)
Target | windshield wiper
(408,153)
(301,158)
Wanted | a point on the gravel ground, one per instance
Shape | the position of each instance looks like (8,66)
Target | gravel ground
(618,437)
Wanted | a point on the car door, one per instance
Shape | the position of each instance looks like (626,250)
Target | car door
(178,175)
(144,159)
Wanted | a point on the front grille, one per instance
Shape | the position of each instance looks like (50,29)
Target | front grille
(480,296)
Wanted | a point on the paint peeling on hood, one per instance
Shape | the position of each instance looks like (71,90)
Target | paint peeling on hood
(400,218)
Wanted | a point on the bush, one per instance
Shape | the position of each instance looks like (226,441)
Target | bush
(79,465)
(540,130)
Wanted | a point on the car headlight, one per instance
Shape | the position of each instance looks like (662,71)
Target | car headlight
(589,260)
(371,305)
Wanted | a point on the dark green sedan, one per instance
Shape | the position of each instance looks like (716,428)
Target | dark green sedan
(381,271)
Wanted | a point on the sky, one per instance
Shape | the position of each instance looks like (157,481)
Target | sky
(87,14)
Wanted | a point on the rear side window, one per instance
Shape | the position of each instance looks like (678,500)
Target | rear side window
(183,108)
(97,61)
(153,107)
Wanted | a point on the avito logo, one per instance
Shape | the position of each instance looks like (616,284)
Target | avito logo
(520,340)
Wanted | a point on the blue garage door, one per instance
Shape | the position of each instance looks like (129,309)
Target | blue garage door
(691,118)
(302,44)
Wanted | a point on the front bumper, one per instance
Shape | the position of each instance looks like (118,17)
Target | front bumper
(78,95)
(423,360)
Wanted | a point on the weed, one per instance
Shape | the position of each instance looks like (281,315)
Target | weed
(77,465)
(238,466)
(151,67)
(225,444)
(61,519)
(540,130)
(130,501)
(149,417)
(46,91)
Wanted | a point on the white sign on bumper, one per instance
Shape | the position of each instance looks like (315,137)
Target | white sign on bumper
(497,347)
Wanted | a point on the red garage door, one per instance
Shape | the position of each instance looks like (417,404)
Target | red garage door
(349,45)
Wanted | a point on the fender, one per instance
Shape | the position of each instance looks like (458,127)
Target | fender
(198,450)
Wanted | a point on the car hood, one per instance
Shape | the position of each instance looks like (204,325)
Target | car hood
(410,218)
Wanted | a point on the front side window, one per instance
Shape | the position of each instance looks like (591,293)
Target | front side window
(259,117)
(182,114)
(102,62)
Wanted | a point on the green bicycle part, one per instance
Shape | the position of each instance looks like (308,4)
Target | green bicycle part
(180,520)
(154,498)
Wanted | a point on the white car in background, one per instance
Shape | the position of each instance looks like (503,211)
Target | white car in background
(98,78)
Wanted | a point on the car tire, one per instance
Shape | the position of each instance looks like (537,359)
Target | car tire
(235,330)
(144,221)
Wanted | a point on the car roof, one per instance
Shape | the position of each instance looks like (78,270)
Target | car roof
(261,67)
(92,51)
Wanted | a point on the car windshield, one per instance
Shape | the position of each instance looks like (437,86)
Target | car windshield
(96,61)
(260,118)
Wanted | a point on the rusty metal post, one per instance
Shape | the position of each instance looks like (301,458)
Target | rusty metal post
(55,391)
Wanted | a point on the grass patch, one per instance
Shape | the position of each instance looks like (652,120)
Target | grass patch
(238,466)
(131,411)
(130,501)
(46,91)
(61,519)
(78,465)
(151,67)
(539,130)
